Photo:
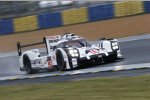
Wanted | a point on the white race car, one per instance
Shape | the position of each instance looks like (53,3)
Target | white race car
(67,51)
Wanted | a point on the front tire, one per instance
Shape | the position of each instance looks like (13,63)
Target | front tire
(60,61)
(27,64)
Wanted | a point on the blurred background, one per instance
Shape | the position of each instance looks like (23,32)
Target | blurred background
(21,16)
(11,9)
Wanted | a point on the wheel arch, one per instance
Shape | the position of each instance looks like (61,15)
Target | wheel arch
(64,55)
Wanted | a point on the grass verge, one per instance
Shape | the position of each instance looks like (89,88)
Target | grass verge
(126,88)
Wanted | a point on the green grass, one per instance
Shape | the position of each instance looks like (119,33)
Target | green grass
(126,88)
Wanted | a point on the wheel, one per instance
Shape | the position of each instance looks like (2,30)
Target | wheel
(60,61)
(27,64)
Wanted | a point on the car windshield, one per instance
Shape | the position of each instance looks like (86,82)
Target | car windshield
(77,43)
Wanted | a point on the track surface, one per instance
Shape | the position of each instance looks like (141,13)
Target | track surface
(65,78)
(134,52)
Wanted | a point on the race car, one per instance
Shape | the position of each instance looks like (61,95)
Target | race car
(67,51)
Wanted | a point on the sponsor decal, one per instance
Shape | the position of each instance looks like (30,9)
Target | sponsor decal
(49,61)
(94,51)
(53,38)
(37,61)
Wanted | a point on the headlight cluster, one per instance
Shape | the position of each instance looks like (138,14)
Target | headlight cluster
(115,46)
(73,52)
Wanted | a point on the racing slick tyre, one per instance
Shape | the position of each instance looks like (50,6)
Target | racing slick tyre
(60,61)
(27,64)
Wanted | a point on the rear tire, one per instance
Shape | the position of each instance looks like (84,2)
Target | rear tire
(27,64)
(60,61)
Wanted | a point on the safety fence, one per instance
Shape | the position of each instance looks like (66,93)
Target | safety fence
(74,16)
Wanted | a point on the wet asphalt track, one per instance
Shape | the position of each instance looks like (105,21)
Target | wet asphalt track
(134,52)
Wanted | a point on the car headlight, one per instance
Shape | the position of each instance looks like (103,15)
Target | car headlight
(115,46)
(73,52)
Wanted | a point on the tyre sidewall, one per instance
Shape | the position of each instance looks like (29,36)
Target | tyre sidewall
(27,64)
(60,61)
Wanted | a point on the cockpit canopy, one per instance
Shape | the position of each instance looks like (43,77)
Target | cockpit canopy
(74,43)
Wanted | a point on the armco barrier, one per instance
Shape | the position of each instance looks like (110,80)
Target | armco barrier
(6,26)
(147,6)
(100,12)
(128,8)
(25,23)
(74,16)
(48,20)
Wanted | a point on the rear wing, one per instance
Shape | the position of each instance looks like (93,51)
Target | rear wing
(49,41)
(20,46)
